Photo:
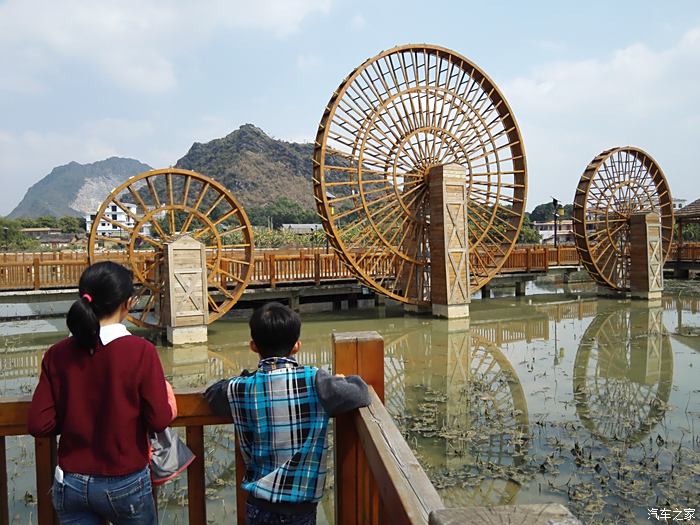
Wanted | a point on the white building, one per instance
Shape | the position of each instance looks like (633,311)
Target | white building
(565,231)
(119,216)
(678,203)
(302,228)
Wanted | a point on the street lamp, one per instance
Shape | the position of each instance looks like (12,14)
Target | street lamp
(558,215)
(555,206)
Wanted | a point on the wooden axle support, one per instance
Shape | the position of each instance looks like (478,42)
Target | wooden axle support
(646,257)
(449,241)
(185,308)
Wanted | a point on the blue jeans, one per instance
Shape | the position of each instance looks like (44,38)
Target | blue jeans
(89,500)
(258,516)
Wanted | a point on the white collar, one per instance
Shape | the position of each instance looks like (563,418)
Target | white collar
(110,332)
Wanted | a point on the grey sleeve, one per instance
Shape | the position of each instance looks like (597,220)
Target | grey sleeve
(217,397)
(341,394)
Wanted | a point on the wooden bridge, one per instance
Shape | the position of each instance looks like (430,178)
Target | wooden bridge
(54,270)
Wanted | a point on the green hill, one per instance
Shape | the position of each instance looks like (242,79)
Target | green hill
(256,168)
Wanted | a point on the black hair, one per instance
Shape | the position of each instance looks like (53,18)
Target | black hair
(103,288)
(275,329)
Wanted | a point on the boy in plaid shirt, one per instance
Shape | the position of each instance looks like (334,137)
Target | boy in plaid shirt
(280,413)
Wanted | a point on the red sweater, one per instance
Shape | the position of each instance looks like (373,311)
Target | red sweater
(102,405)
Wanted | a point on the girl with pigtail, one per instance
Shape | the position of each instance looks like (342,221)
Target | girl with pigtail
(103,391)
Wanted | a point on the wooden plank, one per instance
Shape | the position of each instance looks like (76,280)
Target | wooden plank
(4,487)
(45,459)
(534,514)
(195,476)
(403,484)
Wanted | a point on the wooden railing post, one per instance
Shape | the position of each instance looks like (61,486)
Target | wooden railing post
(528,259)
(37,279)
(241,495)
(195,476)
(45,459)
(271,268)
(317,268)
(356,493)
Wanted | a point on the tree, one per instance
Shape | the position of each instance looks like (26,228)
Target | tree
(13,239)
(281,211)
(528,234)
(71,224)
(545,212)
(691,232)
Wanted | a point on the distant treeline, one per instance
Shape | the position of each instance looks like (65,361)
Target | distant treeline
(12,238)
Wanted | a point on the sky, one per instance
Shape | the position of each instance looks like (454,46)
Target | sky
(86,80)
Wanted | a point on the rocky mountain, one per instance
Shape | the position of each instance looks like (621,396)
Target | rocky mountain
(76,189)
(256,168)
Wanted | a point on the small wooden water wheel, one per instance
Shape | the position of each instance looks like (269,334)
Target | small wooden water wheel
(623,374)
(618,183)
(394,118)
(157,207)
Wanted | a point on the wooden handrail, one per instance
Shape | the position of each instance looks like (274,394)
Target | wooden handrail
(403,484)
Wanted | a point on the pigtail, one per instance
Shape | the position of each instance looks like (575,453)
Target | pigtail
(83,323)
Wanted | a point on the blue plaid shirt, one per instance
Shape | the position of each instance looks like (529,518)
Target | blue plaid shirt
(281,427)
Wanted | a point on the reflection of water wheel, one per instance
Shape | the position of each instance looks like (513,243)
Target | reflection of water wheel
(485,416)
(395,117)
(497,409)
(616,184)
(159,206)
(623,374)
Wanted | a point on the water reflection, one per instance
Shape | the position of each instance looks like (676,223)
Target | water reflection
(494,407)
(623,373)
(464,402)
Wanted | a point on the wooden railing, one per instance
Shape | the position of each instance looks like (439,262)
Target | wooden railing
(193,414)
(269,268)
(686,252)
(377,479)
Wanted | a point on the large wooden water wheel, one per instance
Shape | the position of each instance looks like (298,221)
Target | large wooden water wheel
(156,207)
(618,183)
(399,114)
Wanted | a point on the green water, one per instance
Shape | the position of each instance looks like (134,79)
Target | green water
(567,398)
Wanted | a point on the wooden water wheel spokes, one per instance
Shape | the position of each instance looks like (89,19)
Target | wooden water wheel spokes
(157,207)
(397,116)
(617,184)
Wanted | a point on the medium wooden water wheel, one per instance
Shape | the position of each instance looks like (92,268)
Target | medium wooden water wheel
(157,207)
(395,117)
(618,182)
(623,374)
